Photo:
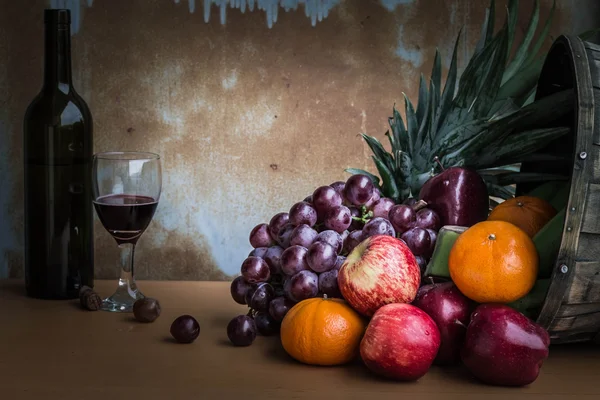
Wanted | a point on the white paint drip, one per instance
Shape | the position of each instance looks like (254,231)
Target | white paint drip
(392,4)
(316,10)
(413,56)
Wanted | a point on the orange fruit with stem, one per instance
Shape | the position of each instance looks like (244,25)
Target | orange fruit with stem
(322,331)
(527,212)
(494,262)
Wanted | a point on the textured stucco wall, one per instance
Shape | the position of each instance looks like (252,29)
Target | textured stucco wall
(250,111)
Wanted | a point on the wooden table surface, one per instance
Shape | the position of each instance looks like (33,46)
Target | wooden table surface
(56,350)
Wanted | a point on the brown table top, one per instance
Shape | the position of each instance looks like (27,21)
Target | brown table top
(55,350)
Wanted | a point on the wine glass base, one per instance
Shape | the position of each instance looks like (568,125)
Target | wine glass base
(121,300)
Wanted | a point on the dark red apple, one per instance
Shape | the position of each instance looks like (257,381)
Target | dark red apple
(503,347)
(451,310)
(380,270)
(458,195)
(400,342)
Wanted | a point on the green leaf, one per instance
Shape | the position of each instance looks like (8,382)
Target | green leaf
(449,90)
(542,37)
(399,131)
(522,50)
(374,178)
(436,77)
(422,144)
(412,124)
(503,192)
(392,140)
(521,83)
(428,134)
(390,189)
(487,29)
(378,150)
(422,102)
(403,171)
(513,16)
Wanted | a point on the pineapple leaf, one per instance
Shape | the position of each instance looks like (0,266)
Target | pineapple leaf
(487,29)
(523,82)
(390,189)
(542,37)
(403,168)
(374,178)
(422,102)
(378,151)
(402,138)
(392,140)
(522,50)
(427,135)
(503,192)
(412,125)
(449,90)
(422,146)
(436,77)
(513,15)
(512,178)
(516,146)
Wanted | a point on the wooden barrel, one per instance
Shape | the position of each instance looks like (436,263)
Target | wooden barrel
(571,311)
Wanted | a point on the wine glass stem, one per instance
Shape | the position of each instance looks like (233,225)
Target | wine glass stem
(126,279)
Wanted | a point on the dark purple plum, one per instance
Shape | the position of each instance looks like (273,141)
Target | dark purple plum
(321,257)
(303,213)
(332,238)
(239,288)
(273,259)
(303,235)
(279,307)
(382,207)
(352,241)
(428,219)
(260,236)
(338,219)
(359,189)
(324,199)
(277,222)
(284,236)
(255,270)
(378,226)
(265,324)
(402,217)
(328,284)
(241,330)
(304,285)
(417,240)
(293,260)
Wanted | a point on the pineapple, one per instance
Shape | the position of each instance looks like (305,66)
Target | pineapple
(490,122)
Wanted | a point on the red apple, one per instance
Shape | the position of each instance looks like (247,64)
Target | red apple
(504,347)
(379,271)
(400,342)
(451,310)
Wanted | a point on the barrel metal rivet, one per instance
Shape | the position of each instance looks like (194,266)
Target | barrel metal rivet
(583,155)
(573,209)
(569,229)
(564,269)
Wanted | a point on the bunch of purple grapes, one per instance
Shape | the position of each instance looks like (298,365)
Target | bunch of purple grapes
(297,255)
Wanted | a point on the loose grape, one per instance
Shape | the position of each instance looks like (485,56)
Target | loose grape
(185,329)
(241,330)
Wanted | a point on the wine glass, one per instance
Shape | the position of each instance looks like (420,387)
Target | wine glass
(127,188)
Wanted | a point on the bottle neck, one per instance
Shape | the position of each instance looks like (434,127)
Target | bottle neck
(57,56)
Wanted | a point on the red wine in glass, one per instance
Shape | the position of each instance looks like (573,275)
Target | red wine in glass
(125,216)
(127,187)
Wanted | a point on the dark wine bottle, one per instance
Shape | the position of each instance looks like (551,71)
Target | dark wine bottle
(58,150)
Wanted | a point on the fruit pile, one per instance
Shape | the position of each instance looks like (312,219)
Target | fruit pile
(298,254)
(347,273)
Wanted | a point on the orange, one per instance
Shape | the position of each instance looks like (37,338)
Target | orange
(322,331)
(493,262)
(527,212)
